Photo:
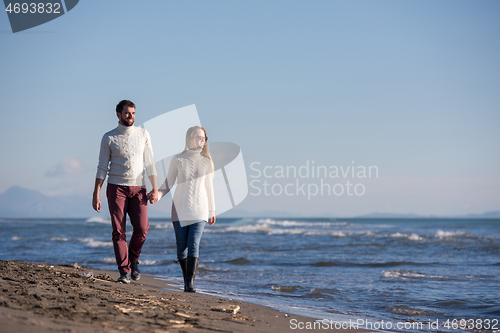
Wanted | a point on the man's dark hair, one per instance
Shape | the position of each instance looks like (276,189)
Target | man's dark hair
(122,104)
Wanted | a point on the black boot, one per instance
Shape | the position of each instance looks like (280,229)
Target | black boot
(183,264)
(192,264)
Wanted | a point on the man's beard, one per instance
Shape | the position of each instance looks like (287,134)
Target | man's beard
(125,122)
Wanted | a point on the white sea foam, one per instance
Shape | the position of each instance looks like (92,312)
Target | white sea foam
(413,236)
(98,220)
(259,228)
(294,231)
(273,227)
(314,233)
(446,234)
(111,260)
(320,232)
(404,310)
(59,239)
(265,229)
(15,239)
(364,232)
(287,223)
(213,268)
(409,274)
(402,273)
(166,225)
(95,243)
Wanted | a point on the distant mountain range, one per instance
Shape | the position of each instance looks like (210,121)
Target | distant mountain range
(18,202)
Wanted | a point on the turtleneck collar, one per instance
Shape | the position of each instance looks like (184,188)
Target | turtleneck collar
(193,151)
(125,129)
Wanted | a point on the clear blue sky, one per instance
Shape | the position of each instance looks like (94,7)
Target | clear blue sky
(409,86)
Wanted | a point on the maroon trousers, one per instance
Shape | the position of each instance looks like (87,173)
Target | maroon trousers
(131,200)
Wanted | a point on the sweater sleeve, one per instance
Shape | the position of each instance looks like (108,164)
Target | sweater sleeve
(104,158)
(170,180)
(149,161)
(209,185)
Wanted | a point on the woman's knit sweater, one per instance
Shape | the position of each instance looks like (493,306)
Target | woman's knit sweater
(194,195)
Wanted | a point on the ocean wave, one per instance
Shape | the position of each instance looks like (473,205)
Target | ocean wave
(369,264)
(112,260)
(406,274)
(98,220)
(269,230)
(59,239)
(286,289)
(266,229)
(258,229)
(448,234)
(401,273)
(383,226)
(16,239)
(413,236)
(407,311)
(163,225)
(287,223)
(206,268)
(95,243)
(238,261)
(322,293)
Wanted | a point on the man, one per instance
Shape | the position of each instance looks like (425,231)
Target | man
(125,152)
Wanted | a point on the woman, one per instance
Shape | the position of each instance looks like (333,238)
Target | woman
(193,204)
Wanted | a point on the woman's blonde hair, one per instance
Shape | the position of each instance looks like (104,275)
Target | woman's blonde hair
(190,136)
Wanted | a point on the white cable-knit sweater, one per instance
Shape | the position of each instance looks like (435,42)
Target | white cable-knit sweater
(125,152)
(194,195)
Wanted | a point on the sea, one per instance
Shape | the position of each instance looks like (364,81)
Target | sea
(395,275)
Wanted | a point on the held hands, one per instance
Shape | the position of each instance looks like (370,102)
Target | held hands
(211,220)
(153,196)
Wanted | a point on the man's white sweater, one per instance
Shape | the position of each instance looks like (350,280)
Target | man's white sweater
(125,151)
(194,194)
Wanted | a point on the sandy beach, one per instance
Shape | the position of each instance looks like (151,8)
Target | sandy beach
(43,298)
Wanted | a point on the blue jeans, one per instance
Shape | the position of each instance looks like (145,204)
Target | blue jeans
(188,239)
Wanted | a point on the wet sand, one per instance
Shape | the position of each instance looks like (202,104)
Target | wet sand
(42,298)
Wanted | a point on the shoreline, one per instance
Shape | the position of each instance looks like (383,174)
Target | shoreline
(65,298)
